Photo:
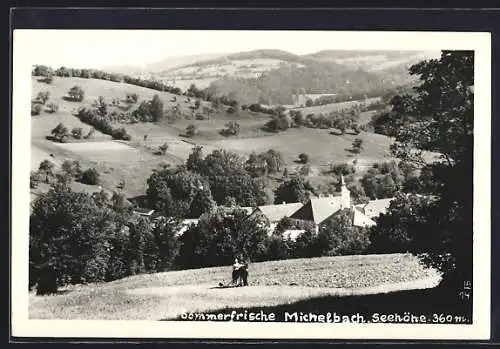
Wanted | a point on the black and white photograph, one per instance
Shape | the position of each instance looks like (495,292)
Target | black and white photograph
(251,184)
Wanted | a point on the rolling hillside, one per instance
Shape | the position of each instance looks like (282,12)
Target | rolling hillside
(133,161)
(273,75)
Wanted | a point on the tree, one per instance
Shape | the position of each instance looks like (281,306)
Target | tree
(34,179)
(59,132)
(52,108)
(73,168)
(357,145)
(202,203)
(340,237)
(132,98)
(42,97)
(256,165)
(69,239)
(279,122)
(194,161)
(191,130)
(90,176)
(304,158)
(297,117)
(225,171)
(232,129)
(295,189)
(102,106)
(220,235)
(171,190)
(77,132)
(76,94)
(164,233)
(46,168)
(36,108)
(403,220)
(342,169)
(163,148)
(309,103)
(440,118)
(138,259)
(383,180)
(274,159)
(156,108)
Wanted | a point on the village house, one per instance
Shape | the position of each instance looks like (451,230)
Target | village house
(320,209)
(274,213)
(317,211)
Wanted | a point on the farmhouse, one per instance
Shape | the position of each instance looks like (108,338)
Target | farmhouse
(374,208)
(319,209)
(274,213)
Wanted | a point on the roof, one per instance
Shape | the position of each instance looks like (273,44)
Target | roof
(275,213)
(361,220)
(375,208)
(318,209)
(248,209)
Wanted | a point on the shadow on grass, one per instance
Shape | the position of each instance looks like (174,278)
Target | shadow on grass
(416,302)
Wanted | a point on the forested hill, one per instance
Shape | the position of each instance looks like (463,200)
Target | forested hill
(278,85)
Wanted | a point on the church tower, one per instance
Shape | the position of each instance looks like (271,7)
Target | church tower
(345,194)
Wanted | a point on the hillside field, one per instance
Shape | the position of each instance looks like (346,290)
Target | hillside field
(166,295)
(133,161)
(336,107)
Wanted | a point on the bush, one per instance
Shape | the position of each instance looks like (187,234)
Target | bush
(90,176)
(232,129)
(73,168)
(121,133)
(36,108)
(191,130)
(52,108)
(34,179)
(101,123)
(357,145)
(42,97)
(342,169)
(304,158)
(77,132)
(132,98)
(60,133)
(76,94)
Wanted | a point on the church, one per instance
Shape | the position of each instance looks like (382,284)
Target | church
(317,210)
(320,209)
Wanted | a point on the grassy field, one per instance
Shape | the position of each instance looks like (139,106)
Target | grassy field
(134,164)
(335,107)
(166,295)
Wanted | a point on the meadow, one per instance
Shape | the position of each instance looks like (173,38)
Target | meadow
(277,283)
(134,163)
(337,107)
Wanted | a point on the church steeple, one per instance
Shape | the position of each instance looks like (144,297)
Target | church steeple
(344,193)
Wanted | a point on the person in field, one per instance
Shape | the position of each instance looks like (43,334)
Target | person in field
(240,272)
(236,270)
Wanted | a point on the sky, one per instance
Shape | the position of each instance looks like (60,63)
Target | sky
(101,48)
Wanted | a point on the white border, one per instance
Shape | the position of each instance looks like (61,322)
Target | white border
(24,58)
